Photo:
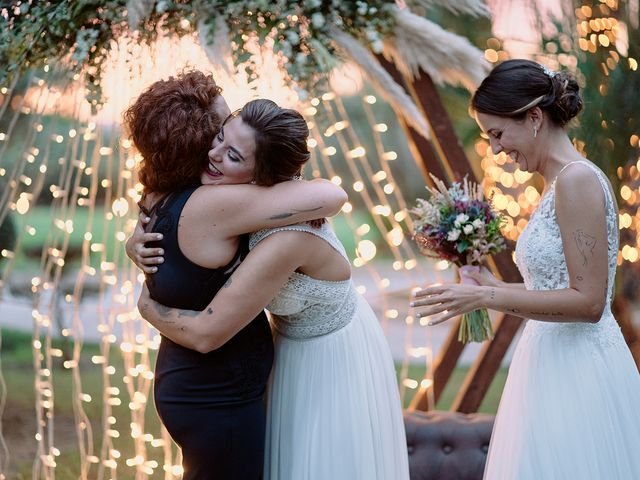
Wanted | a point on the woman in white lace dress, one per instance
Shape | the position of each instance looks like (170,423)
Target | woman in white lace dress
(333,409)
(571,404)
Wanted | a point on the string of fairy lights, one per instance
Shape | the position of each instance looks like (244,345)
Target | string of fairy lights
(93,203)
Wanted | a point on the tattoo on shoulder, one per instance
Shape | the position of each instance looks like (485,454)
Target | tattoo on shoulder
(282,215)
(586,244)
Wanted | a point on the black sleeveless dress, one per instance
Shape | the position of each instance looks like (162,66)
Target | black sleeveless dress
(211,404)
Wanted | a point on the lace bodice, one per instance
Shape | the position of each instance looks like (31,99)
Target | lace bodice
(540,259)
(306,307)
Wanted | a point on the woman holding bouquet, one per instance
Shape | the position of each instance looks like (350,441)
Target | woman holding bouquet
(569,406)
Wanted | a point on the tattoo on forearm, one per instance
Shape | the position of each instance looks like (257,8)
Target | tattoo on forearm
(547,314)
(585,243)
(280,216)
(164,311)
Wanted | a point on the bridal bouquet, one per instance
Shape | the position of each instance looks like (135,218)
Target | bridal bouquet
(458,224)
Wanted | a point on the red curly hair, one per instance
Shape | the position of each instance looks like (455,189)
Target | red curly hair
(172,124)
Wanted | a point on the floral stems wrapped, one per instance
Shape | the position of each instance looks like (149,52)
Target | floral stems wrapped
(458,224)
(475,325)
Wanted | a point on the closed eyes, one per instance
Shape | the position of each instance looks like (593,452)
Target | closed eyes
(233,154)
(492,133)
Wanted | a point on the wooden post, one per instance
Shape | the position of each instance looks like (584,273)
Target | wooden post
(421,149)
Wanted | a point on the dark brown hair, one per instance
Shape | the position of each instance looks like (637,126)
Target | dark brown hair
(172,124)
(515,86)
(281,140)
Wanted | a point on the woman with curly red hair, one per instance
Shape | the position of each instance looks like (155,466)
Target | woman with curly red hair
(212,402)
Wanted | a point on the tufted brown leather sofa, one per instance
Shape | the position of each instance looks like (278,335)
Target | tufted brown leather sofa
(447,445)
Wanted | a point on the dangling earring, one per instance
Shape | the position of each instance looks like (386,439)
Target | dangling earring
(535,132)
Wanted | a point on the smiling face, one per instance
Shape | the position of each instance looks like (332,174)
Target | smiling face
(232,155)
(511,136)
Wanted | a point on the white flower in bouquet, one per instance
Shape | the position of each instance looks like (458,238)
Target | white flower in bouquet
(453,235)
(461,219)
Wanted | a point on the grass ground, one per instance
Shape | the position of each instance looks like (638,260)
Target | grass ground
(19,420)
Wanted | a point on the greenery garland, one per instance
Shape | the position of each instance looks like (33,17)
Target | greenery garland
(81,32)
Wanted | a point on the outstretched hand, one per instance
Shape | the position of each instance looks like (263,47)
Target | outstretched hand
(447,301)
(145,258)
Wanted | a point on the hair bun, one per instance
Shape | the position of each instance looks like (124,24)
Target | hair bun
(567,101)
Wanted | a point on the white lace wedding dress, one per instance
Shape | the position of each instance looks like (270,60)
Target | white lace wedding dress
(571,404)
(334,408)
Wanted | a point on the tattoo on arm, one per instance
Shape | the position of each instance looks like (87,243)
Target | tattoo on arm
(188,313)
(209,310)
(280,216)
(585,243)
(164,311)
(226,284)
(548,314)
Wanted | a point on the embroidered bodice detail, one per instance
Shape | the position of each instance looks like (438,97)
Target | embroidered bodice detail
(306,307)
(541,261)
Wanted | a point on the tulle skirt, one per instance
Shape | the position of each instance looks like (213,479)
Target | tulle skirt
(570,410)
(333,407)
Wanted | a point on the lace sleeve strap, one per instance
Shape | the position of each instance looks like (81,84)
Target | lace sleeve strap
(324,231)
